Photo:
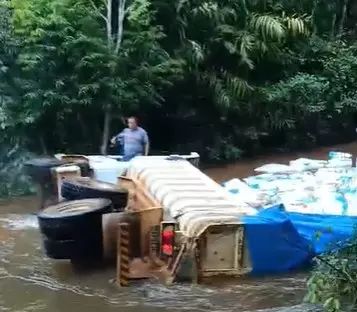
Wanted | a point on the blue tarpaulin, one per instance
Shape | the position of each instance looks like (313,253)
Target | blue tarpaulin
(274,244)
(280,241)
(324,231)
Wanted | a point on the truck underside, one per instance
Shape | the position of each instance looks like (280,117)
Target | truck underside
(161,218)
(208,243)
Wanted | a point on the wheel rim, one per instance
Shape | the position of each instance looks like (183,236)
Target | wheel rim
(73,207)
(81,205)
(98,185)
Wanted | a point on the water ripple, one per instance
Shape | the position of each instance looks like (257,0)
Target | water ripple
(19,222)
(23,266)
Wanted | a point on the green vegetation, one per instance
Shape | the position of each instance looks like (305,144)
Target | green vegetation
(333,282)
(224,78)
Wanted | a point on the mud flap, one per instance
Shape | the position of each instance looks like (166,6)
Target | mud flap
(188,269)
(185,267)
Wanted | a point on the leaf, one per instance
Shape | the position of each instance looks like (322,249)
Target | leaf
(296,26)
(328,302)
(269,27)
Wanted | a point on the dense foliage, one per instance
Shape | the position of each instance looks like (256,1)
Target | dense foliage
(220,77)
(225,78)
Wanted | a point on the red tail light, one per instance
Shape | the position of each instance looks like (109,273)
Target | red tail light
(167,249)
(167,238)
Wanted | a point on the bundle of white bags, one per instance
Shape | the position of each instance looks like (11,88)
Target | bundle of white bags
(305,186)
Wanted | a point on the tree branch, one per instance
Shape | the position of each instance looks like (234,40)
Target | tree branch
(96,9)
(109,23)
(121,14)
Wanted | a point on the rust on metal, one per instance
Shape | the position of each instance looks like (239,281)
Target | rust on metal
(154,242)
(197,255)
(123,255)
(241,247)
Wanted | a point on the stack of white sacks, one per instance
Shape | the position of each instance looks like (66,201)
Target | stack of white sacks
(305,186)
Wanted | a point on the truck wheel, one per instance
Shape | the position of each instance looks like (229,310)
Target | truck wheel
(58,250)
(74,219)
(80,188)
(83,250)
(40,168)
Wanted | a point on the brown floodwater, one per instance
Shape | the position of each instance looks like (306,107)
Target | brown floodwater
(31,282)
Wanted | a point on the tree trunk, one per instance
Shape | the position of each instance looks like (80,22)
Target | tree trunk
(333,26)
(343,17)
(83,127)
(313,17)
(115,50)
(106,131)
(43,145)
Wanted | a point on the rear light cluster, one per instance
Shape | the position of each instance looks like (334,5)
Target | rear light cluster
(167,238)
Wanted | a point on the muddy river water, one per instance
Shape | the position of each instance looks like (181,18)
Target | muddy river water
(31,282)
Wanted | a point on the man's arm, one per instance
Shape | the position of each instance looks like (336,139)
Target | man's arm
(147,147)
(146,143)
(117,137)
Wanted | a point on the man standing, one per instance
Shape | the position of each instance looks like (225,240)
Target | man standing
(134,139)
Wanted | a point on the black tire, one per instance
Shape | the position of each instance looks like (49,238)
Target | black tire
(74,219)
(58,250)
(81,188)
(40,168)
(79,250)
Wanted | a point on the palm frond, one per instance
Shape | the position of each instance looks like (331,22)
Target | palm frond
(296,26)
(206,9)
(227,90)
(216,85)
(269,27)
(237,87)
(247,45)
(279,121)
(195,52)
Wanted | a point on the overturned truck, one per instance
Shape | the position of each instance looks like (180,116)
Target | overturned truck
(176,223)
(190,228)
